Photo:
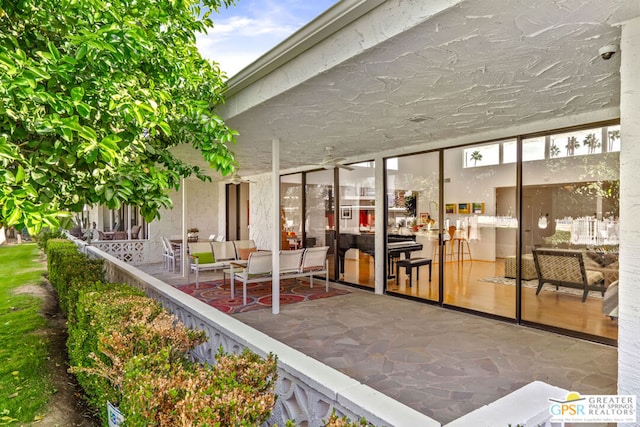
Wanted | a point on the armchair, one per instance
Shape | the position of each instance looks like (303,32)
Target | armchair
(565,267)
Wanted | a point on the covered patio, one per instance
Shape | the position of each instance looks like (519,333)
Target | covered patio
(442,363)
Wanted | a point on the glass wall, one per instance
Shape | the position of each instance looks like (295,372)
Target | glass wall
(319,216)
(291,211)
(356,222)
(571,205)
(480,227)
(462,232)
(413,224)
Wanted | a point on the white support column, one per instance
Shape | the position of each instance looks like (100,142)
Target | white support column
(380,227)
(629,291)
(275,248)
(129,222)
(183,255)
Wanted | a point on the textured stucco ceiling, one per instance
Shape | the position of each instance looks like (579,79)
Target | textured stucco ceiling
(480,67)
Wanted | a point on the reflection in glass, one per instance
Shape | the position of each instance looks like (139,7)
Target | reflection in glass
(319,213)
(571,205)
(291,211)
(413,225)
(480,228)
(356,239)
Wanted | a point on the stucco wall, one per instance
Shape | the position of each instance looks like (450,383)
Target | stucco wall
(202,212)
(261,211)
(629,291)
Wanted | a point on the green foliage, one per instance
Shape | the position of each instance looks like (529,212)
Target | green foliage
(592,141)
(336,421)
(69,270)
(94,318)
(24,384)
(476,156)
(46,234)
(411,204)
(572,145)
(93,95)
(236,391)
(124,348)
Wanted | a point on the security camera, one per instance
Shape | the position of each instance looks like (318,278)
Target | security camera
(606,52)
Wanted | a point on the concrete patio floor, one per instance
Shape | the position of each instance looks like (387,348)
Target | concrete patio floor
(440,362)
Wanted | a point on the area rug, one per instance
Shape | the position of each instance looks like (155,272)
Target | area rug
(218,294)
(546,287)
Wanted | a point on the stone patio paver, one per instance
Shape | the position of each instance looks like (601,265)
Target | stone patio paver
(440,362)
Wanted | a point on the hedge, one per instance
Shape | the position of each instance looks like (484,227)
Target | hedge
(69,270)
(126,349)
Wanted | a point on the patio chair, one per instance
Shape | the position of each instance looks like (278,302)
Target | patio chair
(291,262)
(120,235)
(165,252)
(258,269)
(314,261)
(135,231)
(565,267)
(171,255)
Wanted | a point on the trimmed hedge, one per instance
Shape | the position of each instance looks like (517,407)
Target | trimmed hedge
(126,349)
(69,270)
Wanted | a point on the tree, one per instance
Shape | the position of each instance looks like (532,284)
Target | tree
(614,135)
(475,156)
(93,96)
(572,144)
(554,151)
(592,141)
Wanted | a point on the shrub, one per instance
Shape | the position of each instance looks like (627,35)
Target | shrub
(336,421)
(93,317)
(69,269)
(126,349)
(237,391)
(45,235)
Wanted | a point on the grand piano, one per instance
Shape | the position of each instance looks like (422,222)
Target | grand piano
(365,242)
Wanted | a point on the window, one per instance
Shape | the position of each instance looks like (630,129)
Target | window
(483,155)
(532,149)
(578,143)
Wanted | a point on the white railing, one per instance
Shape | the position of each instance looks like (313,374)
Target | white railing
(134,252)
(307,390)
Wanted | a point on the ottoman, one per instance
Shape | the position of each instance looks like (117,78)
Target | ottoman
(528,267)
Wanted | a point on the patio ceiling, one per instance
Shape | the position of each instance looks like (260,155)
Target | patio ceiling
(467,71)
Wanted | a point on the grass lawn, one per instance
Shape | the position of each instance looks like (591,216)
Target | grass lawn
(24,381)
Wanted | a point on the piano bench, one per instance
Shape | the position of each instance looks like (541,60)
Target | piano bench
(409,265)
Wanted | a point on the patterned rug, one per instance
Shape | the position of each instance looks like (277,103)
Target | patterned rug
(218,294)
(546,287)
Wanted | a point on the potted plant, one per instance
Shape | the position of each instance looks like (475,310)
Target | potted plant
(192,234)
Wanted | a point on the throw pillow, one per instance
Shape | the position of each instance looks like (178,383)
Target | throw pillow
(205,257)
(244,252)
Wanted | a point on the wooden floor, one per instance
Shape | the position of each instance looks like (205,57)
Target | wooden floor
(464,288)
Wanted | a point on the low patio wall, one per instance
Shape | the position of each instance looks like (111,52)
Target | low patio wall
(307,390)
(135,252)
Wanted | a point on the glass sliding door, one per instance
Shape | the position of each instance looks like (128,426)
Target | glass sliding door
(291,211)
(413,224)
(480,227)
(570,219)
(356,222)
(319,216)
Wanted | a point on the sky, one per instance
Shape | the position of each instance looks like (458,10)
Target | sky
(246,31)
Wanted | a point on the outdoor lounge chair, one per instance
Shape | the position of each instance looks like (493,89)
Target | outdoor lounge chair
(258,269)
(314,261)
(564,267)
(293,264)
